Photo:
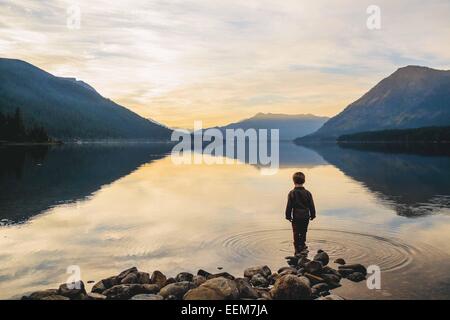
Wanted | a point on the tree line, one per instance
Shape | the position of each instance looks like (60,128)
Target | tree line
(425,134)
(13,129)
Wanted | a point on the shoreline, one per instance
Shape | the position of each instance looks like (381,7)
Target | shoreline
(301,279)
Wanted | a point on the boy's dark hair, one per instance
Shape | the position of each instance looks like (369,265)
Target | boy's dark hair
(299,178)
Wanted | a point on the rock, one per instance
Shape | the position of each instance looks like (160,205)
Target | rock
(330,270)
(149,288)
(184,276)
(125,273)
(272,278)
(221,275)
(95,296)
(199,280)
(285,272)
(130,278)
(203,273)
(355,267)
(339,261)
(177,289)
(262,270)
(302,262)
(320,287)
(313,267)
(126,291)
(330,278)
(356,277)
(290,287)
(264,294)
(322,257)
(286,268)
(147,297)
(305,280)
(331,297)
(170,281)
(246,291)
(38,295)
(121,291)
(324,293)
(171,297)
(292,260)
(345,272)
(313,278)
(214,289)
(158,278)
(144,278)
(55,297)
(74,291)
(104,284)
(258,280)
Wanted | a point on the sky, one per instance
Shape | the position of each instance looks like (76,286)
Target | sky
(177,61)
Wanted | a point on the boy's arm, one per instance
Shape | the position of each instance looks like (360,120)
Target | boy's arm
(312,207)
(289,208)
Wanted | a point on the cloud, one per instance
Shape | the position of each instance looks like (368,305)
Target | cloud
(218,61)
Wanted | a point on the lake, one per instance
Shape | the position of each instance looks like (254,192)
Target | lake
(107,207)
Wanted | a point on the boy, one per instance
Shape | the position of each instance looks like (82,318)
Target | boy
(299,210)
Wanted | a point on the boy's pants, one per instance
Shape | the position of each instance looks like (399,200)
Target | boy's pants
(299,229)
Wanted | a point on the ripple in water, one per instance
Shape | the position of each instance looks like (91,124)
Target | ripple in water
(390,254)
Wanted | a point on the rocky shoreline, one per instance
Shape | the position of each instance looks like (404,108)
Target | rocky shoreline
(301,279)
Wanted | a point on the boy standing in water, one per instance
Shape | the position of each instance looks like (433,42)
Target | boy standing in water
(299,210)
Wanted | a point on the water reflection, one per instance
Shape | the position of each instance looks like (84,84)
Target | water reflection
(34,179)
(413,179)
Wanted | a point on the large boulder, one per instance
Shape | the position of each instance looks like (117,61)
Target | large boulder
(203,273)
(126,272)
(313,267)
(355,267)
(322,257)
(221,275)
(258,280)
(126,291)
(130,279)
(38,295)
(74,291)
(214,289)
(104,284)
(199,280)
(262,270)
(184,276)
(177,289)
(158,278)
(290,287)
(246,291)
(356,277)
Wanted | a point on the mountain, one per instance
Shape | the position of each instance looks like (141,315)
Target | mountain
(67,108)
(411,97)
(290,126)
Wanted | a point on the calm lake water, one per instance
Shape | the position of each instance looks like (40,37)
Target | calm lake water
(106,208)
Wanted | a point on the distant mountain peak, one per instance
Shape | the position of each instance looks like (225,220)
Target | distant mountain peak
(411,97)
